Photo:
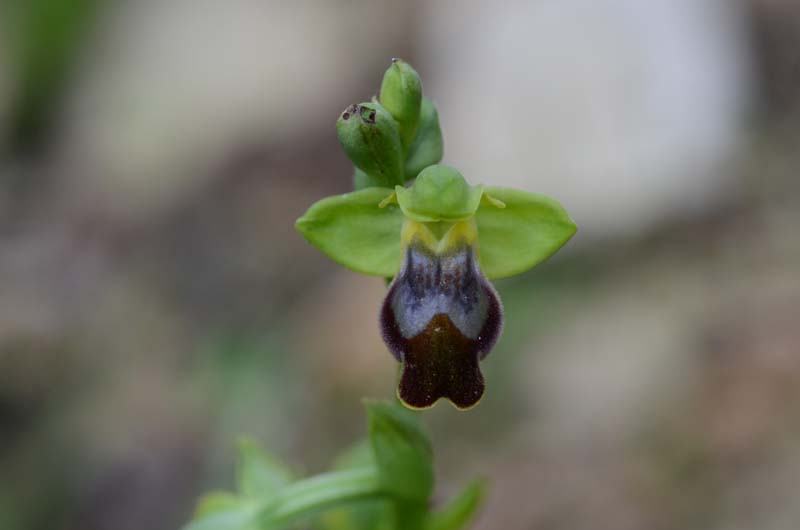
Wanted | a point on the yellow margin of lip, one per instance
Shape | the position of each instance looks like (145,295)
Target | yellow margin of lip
(460,409)
(458,235)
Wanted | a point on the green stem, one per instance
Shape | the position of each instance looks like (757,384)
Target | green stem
(308,497)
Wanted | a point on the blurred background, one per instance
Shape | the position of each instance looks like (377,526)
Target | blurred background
(156,301)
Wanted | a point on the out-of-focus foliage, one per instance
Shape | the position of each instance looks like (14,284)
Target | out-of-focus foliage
(386,488)
(44,38)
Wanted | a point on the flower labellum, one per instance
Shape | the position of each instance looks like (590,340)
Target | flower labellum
(440,317)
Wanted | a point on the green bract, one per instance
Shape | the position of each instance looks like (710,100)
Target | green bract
(361,230)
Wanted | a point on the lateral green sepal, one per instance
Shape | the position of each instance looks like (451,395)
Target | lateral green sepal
(528,230)
(354,231)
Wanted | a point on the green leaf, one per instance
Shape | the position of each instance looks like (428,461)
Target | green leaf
(296,503)
(370,137)
(528,230)
(259,474)
(402,451)
(352,230)
(307,498)
(460,510)
(440,193)
(428,147)
(401,94)
(224,512)
(216,501)
(357,455)
(410,514)
(371,514)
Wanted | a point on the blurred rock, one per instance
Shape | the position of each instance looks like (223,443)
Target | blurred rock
(170,88)
(624,110)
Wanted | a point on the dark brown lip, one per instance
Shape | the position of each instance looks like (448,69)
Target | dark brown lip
(441,362)
(440,358)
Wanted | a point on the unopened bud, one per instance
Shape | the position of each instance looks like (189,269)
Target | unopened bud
(401,95)
(427,147)
(370,137)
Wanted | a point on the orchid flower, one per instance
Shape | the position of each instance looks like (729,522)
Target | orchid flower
(441,240)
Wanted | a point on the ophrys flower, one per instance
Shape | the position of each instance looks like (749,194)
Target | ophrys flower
(439,239)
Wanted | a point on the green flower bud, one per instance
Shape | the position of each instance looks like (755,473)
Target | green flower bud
(401,95)
(370,137)
(427,148)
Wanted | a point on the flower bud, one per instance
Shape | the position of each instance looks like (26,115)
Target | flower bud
(401,95)
(370,137)
(427,148)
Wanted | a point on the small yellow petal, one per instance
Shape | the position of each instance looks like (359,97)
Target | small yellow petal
(493,201)
(392,198)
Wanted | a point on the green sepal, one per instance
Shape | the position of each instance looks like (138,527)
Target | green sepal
(371,139)
(403,453)
(401,95)
(354,231)
(439,193)
(428,147)
(519,236)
